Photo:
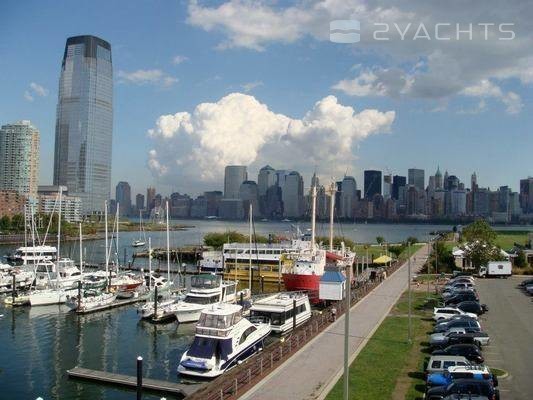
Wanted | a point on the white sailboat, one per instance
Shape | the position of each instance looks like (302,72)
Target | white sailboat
(142,235)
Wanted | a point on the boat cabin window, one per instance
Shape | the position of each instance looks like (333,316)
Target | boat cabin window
(205,281)
(202,300)
(230,289)
(208,347)
(247,333)
(218,321)
(275,318)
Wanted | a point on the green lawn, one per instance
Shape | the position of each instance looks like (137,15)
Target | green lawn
(507,239)
(375,372)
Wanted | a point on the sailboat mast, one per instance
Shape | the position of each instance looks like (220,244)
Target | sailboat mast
(168,250)
(81,251)
(116,223)
(331,214)
(59,235)
(250,249)
(313,217)
(150,263)
(106,242)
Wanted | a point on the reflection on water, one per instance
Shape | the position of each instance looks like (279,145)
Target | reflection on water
(39,344)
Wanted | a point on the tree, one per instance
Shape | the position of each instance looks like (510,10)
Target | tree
(380,240)
(411,240)
(479,230)
(520,259)
(5,223)
(480,253)
(17,222)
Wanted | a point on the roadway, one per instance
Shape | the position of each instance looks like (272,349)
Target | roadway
(312,372)
(509,323)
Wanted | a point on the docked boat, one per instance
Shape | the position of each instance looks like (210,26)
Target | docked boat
(223,338)
(32,255)
(45,297)
(282,310)
(141,242)
(69,274)
(124,283)
(206,289)
(212,261)
(23,278)
(90,300)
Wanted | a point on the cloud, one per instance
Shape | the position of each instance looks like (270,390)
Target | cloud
(147,76)
(485,89)
(35,90)
(193,148)
(424,68)
(179,59)
(249,86)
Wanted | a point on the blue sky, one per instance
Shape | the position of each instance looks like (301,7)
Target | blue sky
(462,107)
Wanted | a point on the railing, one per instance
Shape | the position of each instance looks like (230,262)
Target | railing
(240,379)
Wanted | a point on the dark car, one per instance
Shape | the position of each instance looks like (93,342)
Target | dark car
(460,297)
(464,386)
(469,324)
(471,307)
(526,282)
(469,351)
(466,338)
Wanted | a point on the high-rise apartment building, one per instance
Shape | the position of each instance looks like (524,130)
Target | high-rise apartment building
(415,177)
(372,183)
(234,175)
(84,121)
(19,158)
(123,198)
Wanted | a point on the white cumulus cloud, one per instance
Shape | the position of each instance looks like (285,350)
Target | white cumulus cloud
(485,89)
(147,76)
(35,90)
(249,86)
(193,148)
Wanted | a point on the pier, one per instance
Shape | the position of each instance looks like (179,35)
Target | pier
(180,390)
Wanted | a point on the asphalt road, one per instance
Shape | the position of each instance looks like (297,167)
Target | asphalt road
(509,323)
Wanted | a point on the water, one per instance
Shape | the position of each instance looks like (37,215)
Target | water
(37,345)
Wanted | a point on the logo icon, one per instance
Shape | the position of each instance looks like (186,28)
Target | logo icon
(344,31)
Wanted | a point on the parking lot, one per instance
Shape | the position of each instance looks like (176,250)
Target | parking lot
(509,323)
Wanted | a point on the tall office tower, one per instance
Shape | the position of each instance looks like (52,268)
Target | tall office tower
(452,182)
(438,179)
(212,200)
(415,177)
(248,194)
(265,179)
(348,197)
(397,182)
(123,198)
(19,158)
(387,186)
(84,122)
(473,182)
(372,183)
(526,195)
(445,180)
(293,195)
(150,198)
(139,202)
(234,175)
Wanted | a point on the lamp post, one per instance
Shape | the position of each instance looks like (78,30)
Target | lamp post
(347,331)
(409,292)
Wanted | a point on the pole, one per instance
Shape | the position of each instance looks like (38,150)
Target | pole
(117,221)
(79,295)
(293,314)
(347,331)
(139,378)
(81,252)
(250,249)
(155,303)
(409,290)
(437,263)
(313,218)
(168,251)
(59,236)
(331,214)
(429,260)
(13,289)
(106,246)
(150,263)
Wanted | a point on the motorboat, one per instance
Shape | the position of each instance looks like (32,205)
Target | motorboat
(212,261)
(223,339)
(32,255)
(45,297)
(23,278)
(206,289)
(283,310)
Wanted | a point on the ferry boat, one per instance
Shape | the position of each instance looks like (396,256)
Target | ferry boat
(33,255)
(280,310)
(223,338)
(206,289)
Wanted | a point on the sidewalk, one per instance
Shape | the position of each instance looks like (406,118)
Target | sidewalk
(311,372)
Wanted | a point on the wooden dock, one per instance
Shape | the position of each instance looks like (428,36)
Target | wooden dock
(115,304)
(178,389)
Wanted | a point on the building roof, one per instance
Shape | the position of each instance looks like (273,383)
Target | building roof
(332,276)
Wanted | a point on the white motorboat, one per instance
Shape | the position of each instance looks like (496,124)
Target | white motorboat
(223,339)
(212,261)
(206,289)
(23,277)
(47,297)
(90,300)
(33,254)
(69,274)
(280,310)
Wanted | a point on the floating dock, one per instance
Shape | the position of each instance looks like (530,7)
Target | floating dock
(180,389)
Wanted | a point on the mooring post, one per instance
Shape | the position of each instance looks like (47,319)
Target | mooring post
(155,303)
(79,295)
(139,377)
(13,289)
(262,278)
(242,299)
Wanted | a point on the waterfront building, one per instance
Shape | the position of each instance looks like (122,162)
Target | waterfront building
(212,199)
(438,179)
(372,183)
(123,198)
(234,175)
(387,186)
(179,205)
(397,182)
(19,158)
(415,177)
(458,203)
(139,202)
(48,203)
(84,122)
(249,195)
(348,197)
(293,196)
(266,179)
(199,208)
(526,195)
(150,197)
(273,203)
(481,202)
(452,183)
(473,182)
(231,209)
(11,203)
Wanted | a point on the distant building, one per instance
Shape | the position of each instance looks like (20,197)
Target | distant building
(415,177)
(526,195)
(397,182)
(481,207)
(19,158)
(199,208)
(438,179)
(248,193)
(348,197)
(150,197)
(231,209)
(293,196)
(48,203)
(372,183)
(234,175)
(212,200)
(458,203)
(139,202)
(11,203)
(179,205)
(123,198)
(84,121)
(387,186)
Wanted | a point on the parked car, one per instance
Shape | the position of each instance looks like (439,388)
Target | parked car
(480,372)
(529,289)
(459,297)
(465,322)
(472,307)
(444,313)
(450,292)
(443,362)
(457,336)
(525,283)
(470,351)
(466,397)
(459,285)
(464,386)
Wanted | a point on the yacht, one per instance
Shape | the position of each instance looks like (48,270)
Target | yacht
(212,261)
(206,289)
(90,300)
(46,297)
(32,255)
(280,310)
(223,339)
(46,271)
(23,278)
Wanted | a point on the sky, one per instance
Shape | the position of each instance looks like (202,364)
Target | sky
(202,84)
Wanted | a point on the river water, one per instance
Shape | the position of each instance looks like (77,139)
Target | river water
(37,345)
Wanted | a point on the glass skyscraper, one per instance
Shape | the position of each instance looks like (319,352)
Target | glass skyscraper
(84,122)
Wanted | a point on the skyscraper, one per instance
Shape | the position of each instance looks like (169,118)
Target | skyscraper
(150,197)
(123,197)
(397,182)
(438,179)
(348,197)
(19,158)
(84,121)
(265,179)
(234,175)
(387,186)
(372,183)
(293,195)
(139,202)
(415,177)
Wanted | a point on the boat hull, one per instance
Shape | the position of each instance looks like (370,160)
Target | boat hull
(47,298)
(309,283)
(185,316)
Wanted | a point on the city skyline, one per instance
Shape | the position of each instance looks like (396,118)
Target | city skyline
(164,89)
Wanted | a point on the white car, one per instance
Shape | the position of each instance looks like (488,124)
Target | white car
(444,313)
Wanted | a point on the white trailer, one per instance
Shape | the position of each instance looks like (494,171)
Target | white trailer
(496,269)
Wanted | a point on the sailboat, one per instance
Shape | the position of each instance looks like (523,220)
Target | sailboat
(142,235)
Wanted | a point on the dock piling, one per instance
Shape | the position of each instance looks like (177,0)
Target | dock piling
(139,377)
(13,289)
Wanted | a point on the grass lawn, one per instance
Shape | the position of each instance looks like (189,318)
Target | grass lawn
(380,368)
(507,239)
